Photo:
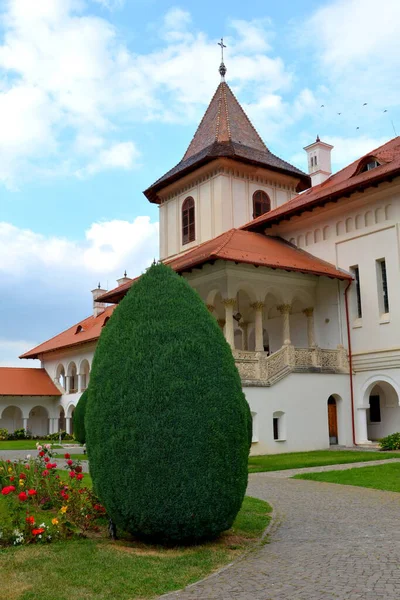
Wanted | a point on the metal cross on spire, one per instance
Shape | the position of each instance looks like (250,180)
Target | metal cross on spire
(222,67)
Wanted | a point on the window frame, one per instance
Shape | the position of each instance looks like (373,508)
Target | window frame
(383,288)
(188,222)
(263,203)
(355,270)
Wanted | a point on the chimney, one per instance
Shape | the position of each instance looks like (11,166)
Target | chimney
(123,280)
(319,161)
(98,307)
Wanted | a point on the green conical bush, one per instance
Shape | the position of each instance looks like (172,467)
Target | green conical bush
(167,423)
(79,418)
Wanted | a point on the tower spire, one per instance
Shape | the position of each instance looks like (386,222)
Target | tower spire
(222,67)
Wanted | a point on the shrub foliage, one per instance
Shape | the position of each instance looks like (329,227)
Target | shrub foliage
(167,423)
(390,442)
(79,418)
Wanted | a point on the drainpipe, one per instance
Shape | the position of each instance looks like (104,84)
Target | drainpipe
(346,299)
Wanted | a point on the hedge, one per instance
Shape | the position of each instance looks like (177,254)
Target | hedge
(168,428)
(79,418)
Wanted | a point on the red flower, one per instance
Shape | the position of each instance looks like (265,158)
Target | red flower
(32,492)
(45,473)
(79,476)
(69,462)
(30,520)
(66,455)
(41,453)
(78,469)
(22,476)
(23,496)
(72,474)
(27,467)
(12,478)
(7,490)
(46,459)
(37,531)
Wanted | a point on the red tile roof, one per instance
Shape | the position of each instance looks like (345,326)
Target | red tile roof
(91,330)
(340,185)
(245,247)
(17,381)
(226,131)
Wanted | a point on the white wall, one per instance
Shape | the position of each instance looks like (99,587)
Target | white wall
(303,398)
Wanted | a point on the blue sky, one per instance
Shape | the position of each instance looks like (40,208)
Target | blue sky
(99,98)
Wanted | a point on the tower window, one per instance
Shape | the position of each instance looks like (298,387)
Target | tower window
(261,203)
(356,273)
(382,286)
(188,221)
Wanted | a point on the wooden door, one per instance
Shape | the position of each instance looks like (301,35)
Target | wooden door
(332,421)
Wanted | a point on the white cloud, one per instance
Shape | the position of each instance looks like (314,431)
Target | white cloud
(122,155)
(253,36)
(110,4)
(11,349)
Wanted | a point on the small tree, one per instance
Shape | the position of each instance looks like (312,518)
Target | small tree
(167,423)
(79,418)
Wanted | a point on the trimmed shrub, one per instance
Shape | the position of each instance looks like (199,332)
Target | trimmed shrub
(390,442)
(168,427)
(79,418)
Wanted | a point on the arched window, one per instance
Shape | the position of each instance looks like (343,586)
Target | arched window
(261,203)
(188,221)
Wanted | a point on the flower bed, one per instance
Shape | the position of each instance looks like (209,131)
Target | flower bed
(39,506)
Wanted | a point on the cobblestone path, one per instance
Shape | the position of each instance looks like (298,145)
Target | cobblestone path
(330,542)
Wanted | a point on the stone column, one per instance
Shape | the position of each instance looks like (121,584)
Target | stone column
(259,327)
(309,312)
(68,424)
(244,326)
(229,303)
(25,423)
(285,309)
(67,384)
(361,426)
(80,382)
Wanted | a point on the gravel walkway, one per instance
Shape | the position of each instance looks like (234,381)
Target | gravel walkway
(328,542)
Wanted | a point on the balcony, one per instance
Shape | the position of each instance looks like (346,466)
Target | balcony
(259,368)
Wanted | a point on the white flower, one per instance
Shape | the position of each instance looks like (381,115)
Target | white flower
(28,456)
(40,537)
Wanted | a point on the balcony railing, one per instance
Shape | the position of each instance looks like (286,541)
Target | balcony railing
(267,370)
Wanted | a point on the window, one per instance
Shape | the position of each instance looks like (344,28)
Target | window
(374,409)
(79,329)
(261,203)
(188,221)
(367,165)
(356,274)
(382,286)
(278,425)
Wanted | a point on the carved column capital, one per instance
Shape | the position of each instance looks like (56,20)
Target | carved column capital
(284,309)
(257,305)
(210,308)
(229,301)
(309,311)
(221,323)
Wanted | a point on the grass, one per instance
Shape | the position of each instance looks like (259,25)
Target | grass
(24,444)
(99,569)
(381,477)
(316,458)
(60,455)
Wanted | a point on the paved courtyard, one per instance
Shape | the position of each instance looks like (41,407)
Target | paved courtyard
(329,542)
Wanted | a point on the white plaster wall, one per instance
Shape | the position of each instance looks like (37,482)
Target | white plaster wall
(37,425)
(303,398)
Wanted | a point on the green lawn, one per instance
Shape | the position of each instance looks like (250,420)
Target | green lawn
(381,477)
(24,444)
(60,455)
(317,458)
(94,569)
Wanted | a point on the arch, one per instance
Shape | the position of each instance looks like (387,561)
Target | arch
(349,224)
(375,380)
(369,218)
(84,375)
(38,421)
(379,215)
(188,221)
(309,238)
(11,418)
(261,203)
(382,400)
(246,288)
(359,222)
(69,414)
(339,228)
(60,376)
(292,241)
(326,232)
(300,241)
(105,321)
(61,419)
(72,374)
(317,236)
(279,426)
(388,212)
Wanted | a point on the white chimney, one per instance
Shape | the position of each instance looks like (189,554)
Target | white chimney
(98,307)
(319,161)
(123,280)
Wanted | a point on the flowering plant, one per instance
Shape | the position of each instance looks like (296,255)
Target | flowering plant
(33,491)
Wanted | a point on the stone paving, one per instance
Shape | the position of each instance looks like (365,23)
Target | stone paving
(287,473)
(328,542)
(21,454)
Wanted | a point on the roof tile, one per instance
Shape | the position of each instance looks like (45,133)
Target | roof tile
(19,381)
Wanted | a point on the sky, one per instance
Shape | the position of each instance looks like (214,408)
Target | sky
(99,98)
